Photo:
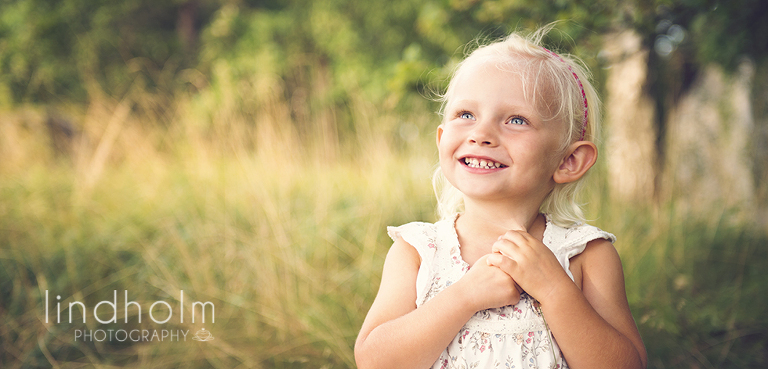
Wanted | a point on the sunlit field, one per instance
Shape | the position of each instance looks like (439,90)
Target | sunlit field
(284,233)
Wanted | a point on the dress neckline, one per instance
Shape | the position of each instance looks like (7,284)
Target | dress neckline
(455,249)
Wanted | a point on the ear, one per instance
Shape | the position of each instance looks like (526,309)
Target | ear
(579,157)
(439,134)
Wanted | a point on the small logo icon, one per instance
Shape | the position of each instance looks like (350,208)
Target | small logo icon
(203,335)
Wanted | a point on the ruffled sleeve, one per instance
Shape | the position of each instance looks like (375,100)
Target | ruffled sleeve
(422,236)
(566,243)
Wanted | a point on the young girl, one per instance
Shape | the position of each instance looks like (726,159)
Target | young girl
(510,277)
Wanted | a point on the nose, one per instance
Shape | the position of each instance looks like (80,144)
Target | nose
(483,134)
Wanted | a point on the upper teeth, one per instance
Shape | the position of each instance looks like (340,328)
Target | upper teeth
(481,163)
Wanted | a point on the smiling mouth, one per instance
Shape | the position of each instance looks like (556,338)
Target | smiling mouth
(481,163)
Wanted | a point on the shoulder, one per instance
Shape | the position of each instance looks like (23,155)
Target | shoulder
(601,275)
(402,257)
(598,266)
(424,237)
(574,239)
(600,253)
(412,230)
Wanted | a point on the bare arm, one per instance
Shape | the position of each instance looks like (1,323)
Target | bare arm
(396,334)
(593,326)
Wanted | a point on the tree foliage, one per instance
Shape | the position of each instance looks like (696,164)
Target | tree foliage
(60,50)
(52,51)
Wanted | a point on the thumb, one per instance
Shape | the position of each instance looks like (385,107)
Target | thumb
(516,226)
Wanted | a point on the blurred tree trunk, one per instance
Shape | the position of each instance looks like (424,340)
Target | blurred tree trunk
(631,130)
(759,140)
(715,150)
(710,152)
(186,27)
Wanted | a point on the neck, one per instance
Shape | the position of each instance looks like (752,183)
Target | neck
(499,217)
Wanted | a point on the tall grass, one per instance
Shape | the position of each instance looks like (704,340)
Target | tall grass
(285,240)
(694,281)
(284,232)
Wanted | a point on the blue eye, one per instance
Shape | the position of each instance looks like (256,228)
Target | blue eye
(516,120)
(466,115)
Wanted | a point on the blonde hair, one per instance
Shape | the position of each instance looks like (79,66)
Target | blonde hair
(549,84)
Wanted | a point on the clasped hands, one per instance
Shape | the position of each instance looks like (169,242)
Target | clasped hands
(518,262)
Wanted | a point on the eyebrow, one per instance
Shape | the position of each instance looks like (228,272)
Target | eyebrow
(522,109)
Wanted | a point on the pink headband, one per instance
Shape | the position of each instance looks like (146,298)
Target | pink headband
(583,95)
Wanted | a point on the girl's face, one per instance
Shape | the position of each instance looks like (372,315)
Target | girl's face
(493,144)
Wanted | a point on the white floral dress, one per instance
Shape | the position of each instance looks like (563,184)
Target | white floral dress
(513,336)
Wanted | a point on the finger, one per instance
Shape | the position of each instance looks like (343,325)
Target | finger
(516,236)
(504,247)
(494,259)
(506,264)
(517,227)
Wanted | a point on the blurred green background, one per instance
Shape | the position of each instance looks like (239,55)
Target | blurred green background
(252,152)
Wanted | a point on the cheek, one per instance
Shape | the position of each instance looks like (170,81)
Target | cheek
(544,156)
(447,144)
(444,156)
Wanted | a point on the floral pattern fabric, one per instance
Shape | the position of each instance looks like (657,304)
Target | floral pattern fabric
(513,336)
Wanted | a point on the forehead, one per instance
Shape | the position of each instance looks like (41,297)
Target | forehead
(489,80)
(514,78)
(496,68)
